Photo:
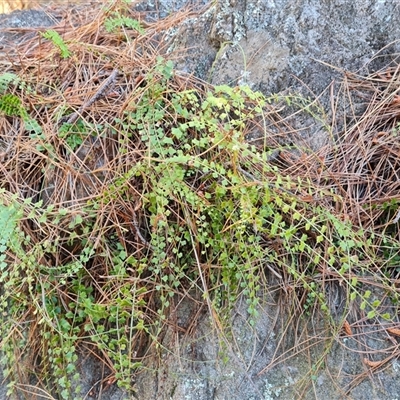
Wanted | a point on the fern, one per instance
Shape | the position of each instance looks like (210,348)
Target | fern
(120,21)
(58,41)
(10,105)
(8,221)
(6,79)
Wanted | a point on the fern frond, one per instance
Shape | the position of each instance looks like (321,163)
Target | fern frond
(10,105)
(6,80)
(121,21)
(58,41)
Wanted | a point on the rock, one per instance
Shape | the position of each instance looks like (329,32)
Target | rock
(302,47)
(279,44)
(12,25)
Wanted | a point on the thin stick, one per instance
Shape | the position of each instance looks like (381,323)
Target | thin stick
(101,91)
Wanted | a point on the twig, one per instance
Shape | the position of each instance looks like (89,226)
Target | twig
(101,91)
(139,234)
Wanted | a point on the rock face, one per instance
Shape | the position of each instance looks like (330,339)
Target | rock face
(10,24)
(278,44)
(271,45)
(284,46)
(263,362)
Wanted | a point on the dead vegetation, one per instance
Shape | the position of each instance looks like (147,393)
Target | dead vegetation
(132,186)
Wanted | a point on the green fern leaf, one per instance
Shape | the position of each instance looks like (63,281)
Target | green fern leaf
(111,24)
(58,42)
(10,105)
(6,79)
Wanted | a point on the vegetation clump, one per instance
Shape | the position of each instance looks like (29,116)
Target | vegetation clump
(125,186)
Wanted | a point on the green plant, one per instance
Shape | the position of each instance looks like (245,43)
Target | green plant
(75,134)
(58,42)
(245,202)
(11,105)
(178,202)
(6,79)
(117,21)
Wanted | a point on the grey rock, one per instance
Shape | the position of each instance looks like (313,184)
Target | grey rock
(272,359)
(297,41)
(12,25)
